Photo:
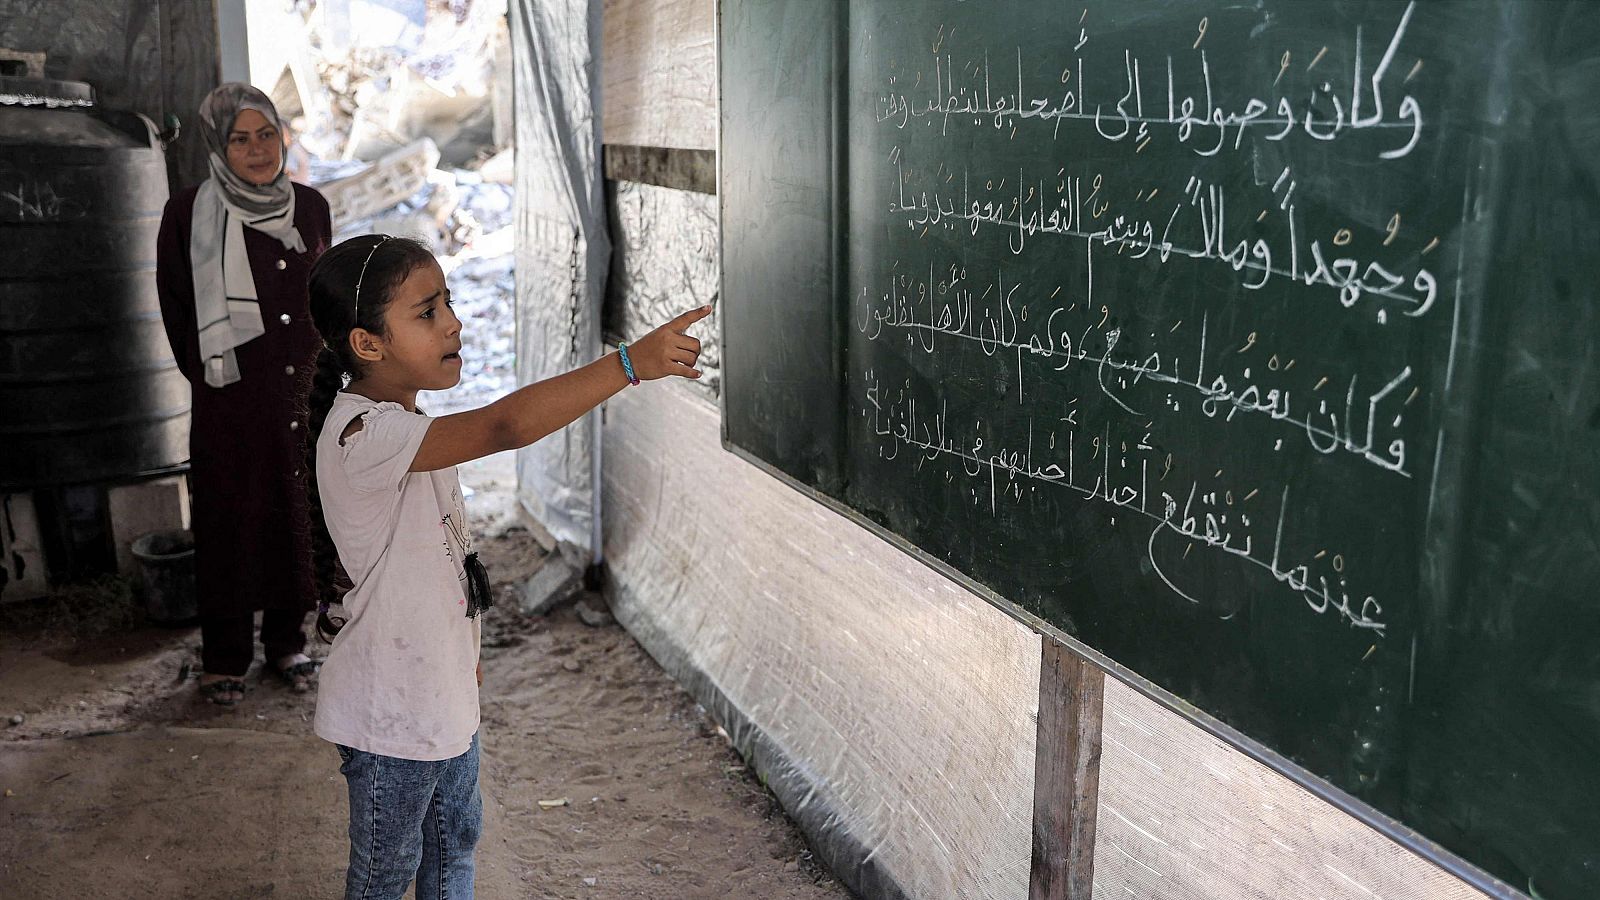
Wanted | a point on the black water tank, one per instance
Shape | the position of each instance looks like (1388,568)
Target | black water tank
(89,391)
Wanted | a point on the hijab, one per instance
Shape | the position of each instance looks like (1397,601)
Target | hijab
(227,309)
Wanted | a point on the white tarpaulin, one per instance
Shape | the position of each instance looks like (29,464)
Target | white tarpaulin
(562,248)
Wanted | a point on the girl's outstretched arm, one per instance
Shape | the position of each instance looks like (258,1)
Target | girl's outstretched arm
(530,413)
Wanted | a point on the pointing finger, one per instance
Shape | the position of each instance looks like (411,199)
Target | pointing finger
(689,318)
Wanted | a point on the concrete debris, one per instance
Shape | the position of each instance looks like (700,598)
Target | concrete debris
(412,69)
(497,168)
(390,181)
(404,124)
(592,612)
(573,554)
(556,582)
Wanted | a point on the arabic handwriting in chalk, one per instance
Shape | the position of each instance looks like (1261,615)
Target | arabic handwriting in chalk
(1325,112)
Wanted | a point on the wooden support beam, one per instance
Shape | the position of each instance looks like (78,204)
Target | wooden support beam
(686,170)
(659,73)
(190,68)
(1066,781)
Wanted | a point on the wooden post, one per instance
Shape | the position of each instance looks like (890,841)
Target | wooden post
(191,67)
(1066,781)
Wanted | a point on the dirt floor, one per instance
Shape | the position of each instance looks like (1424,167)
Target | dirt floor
(118,781)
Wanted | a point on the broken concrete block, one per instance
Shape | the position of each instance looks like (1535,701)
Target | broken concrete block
(556,582)
(577,557)
(593,612)
(138,509)
(392,179)
(499,168)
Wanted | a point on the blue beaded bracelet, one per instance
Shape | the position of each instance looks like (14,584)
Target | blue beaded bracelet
(627,364)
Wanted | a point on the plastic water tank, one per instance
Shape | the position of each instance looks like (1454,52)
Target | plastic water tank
(89,391)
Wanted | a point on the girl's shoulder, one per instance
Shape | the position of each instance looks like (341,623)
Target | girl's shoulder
(348,406)
(361,400)
(373,441)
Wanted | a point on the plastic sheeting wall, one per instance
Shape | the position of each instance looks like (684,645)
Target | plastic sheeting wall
(562,247)
(1183,815)
(665,262)
(891,711)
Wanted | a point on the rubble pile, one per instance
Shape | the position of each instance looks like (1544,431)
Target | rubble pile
(401,117)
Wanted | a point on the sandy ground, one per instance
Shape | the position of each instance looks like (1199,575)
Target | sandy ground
(121,782)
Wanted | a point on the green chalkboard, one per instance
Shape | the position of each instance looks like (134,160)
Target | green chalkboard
(1256,346)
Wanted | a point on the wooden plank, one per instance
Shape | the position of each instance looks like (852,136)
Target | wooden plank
(658,69)
(191,68)
(685,170)
(1066,782)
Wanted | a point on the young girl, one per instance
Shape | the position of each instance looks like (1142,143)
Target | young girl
(398,692)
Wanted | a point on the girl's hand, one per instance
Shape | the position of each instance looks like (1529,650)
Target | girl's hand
(537,410)
(669,350)
(480,674)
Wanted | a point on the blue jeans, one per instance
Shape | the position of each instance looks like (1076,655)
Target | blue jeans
(411,819)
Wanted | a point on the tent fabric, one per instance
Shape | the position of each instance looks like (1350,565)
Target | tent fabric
(664,260)
(563,250)
(889,710)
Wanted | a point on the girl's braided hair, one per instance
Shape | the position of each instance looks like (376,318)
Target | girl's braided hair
(378,264)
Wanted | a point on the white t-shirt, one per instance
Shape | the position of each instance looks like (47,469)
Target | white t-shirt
(400,679)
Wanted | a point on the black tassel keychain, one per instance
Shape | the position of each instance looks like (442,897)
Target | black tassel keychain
(479,596)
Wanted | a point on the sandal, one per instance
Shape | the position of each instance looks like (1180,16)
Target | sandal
(215,690)
(297,676)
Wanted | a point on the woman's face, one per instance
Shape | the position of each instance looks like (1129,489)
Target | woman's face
(255,149)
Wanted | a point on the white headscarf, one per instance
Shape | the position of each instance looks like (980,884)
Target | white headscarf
(227,310)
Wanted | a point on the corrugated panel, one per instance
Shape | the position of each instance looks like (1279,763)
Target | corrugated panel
(664,261)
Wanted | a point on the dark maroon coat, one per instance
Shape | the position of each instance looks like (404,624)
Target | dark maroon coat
(247,440)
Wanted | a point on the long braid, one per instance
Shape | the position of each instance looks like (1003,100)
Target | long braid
(326,381)
(349,288)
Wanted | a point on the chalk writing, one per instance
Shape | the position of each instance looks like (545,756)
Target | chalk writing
(1100,253)
(23,199)
(970,91)
(1198,517)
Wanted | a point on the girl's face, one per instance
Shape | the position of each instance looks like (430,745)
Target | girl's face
(422,350)
(255,149)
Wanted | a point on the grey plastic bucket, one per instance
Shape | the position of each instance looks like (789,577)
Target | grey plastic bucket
(166,569)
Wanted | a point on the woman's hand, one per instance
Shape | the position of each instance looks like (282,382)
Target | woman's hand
(480,673)
(669,350)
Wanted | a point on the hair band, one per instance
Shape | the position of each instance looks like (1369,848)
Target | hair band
(363,275)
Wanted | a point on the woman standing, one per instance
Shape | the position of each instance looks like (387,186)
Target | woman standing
(231,265)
